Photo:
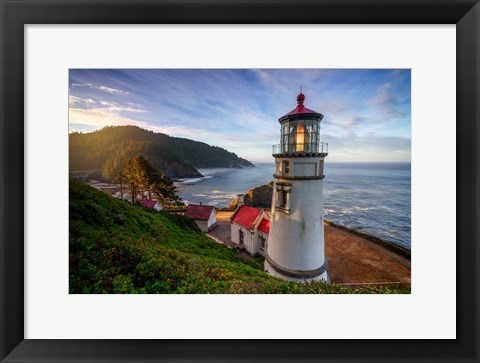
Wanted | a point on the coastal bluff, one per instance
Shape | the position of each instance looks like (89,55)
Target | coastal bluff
(258,197)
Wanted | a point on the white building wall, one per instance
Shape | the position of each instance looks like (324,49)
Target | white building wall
(255,237)
(234,228)
(249,241)
(248,237)
(212,219)
(255,243)
(260,251)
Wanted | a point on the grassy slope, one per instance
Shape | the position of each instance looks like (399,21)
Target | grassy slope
(119,248)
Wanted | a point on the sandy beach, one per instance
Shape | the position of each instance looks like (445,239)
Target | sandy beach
(352,259)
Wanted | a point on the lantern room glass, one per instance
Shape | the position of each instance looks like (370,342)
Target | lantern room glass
(300,136)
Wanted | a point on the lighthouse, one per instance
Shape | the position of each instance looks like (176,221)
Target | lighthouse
(296,247)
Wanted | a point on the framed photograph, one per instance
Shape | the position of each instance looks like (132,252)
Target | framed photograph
(314,219)
(146,216)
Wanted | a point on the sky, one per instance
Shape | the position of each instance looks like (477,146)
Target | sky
(367,115)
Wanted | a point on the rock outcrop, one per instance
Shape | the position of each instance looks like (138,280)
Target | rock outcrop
(258,197)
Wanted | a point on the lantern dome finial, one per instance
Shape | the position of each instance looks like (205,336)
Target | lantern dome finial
(300,97)
(300,110)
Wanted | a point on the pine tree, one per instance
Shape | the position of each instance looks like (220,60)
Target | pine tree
(142,177)
(165,191)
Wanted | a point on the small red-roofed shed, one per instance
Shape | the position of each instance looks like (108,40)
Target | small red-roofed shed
(151,204)
(245,232)
(204,215)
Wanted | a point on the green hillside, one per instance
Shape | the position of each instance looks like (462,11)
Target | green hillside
(107,149)
(116,247)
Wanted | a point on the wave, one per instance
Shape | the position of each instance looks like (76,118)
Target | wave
(191,181)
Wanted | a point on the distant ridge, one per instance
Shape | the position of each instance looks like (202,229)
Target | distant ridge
(107,149)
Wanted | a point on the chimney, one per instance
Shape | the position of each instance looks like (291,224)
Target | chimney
(240,200)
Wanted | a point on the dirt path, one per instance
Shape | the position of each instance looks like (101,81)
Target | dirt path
(351,259)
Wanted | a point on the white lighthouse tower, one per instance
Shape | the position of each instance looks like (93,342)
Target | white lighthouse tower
(295,249)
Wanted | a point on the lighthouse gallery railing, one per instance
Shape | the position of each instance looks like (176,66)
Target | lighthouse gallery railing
(301,148)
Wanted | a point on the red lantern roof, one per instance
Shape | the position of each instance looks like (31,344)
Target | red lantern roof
(300,110)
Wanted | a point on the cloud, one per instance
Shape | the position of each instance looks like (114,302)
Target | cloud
(116,108)
(96,118)
(386,102)
(77,101)
(270,81)
(101,88)
(90,113)
(239,109)
(112,90)
(99,118)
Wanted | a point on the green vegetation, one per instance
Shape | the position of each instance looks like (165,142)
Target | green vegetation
(142,177)
(108,149)
(116,247)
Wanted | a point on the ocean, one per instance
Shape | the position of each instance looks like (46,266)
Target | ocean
(373,198)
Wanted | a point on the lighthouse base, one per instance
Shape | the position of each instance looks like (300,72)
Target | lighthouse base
(297,275)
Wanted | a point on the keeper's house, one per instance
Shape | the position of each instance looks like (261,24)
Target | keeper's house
(205,216)
(249,229)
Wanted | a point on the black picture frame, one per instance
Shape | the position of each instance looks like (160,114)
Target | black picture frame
(15,14)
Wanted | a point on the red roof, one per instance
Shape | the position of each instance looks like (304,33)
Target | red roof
(246,216)
(199,211)
(300,109)
(264,226)
(147,203)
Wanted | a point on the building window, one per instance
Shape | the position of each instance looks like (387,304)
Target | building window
(286,167)
(262,242)
(240,237)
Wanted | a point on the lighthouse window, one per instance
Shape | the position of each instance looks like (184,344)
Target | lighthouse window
(300,138)
(282,197)
(283,203)
(286,167)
